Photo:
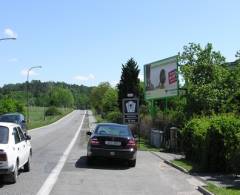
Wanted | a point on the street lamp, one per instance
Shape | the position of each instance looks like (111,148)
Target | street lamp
(10,38)
(28,89)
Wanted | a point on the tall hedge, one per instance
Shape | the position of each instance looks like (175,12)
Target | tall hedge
(213,142)
(194,135)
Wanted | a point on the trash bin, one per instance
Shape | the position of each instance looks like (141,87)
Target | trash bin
(156,138)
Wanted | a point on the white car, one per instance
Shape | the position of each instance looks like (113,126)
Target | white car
(15,151)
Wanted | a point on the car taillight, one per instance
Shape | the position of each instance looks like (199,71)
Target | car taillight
(131,143)
(94,141)
(3,156)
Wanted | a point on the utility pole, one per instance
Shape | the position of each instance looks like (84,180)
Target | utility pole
(28,89)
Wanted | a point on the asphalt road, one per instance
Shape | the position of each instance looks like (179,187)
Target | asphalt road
(150,176)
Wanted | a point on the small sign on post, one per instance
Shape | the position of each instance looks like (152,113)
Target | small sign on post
(130,110)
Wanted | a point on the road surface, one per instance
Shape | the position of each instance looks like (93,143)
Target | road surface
(58,167)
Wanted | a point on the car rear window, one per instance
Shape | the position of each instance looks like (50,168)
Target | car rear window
(112,130)
(3,135)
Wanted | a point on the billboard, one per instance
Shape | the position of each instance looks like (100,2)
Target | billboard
(161,78)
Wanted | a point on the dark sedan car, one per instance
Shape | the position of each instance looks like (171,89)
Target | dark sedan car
(14,118)
(111,140)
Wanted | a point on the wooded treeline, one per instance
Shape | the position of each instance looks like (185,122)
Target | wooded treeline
(47,94)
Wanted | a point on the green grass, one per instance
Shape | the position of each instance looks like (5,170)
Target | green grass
(144,145)
(187,165)
(183,163)
(222,190)
(99,119)
(36,116)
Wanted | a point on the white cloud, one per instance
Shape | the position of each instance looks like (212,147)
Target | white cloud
(25,72)
(10,33)
(84,78)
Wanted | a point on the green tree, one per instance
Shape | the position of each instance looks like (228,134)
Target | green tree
(10,105)
(238,55)
(110,100)
(97,95)
(129,82)
(233,103)
(61,97)
(205,74)
(81,101)
(39,92)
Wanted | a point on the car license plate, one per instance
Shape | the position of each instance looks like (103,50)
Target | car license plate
(113,143)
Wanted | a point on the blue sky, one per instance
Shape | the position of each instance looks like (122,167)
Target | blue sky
(85,42)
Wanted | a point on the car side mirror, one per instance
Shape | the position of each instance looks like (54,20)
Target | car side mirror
(89,133)
(28,137)
(23,121)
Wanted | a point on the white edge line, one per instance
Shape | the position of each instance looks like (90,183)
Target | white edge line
(59,120)
(53,176)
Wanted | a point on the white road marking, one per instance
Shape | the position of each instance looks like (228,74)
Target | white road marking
(53,176)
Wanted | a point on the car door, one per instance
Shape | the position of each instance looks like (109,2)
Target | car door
(18,146)
(24,146)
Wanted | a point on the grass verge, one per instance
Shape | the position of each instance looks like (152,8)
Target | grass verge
(183,163)
(222,190)
(37,119)
(187,165)
(191,167)
(144,145)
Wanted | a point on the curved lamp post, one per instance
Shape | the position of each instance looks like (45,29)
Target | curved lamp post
(28,89)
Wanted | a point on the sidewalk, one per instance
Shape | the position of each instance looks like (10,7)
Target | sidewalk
(220,180)
(92,120)
(168,156)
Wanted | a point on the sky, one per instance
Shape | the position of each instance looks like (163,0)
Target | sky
(87,41)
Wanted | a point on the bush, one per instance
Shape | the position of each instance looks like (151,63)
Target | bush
(114,117)
(146,126)
(223,142)
(10,105)
(51,111)
(213,142)
(194,139)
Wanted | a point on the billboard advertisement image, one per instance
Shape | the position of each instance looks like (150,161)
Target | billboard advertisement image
(161,78)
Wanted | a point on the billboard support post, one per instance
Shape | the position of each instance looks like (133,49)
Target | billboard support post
(152,108)
(166,105)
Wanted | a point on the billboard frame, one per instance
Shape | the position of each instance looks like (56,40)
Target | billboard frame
(177,73)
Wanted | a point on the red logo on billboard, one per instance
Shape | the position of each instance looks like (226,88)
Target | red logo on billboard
(172,76)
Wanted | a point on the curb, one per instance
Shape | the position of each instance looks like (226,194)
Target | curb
(171,164)
(204,191)
(176,166)
(199,188)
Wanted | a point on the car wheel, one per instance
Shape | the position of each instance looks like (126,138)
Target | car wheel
(26,167)
(132,163)
(14,174)
(89,160)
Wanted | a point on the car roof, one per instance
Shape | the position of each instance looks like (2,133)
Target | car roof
(10,114)
(112,124)
(9,125)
